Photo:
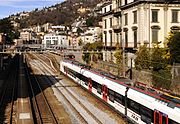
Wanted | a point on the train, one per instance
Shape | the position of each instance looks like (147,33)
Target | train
(138,104)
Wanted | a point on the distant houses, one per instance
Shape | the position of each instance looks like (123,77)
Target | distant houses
(126,24)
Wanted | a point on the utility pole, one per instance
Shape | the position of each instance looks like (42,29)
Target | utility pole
(123,52)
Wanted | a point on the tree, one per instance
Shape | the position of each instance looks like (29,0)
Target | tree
(119,56)
(174,45)
(86,57)
(162,78)
(158,62)
(161,74)
(7,28)
(89,22)
(142,61)
(119,59)
(93,46)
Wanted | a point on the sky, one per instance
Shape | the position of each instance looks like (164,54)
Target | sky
(9,7)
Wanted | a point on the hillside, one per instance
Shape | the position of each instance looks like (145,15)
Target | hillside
(64,13)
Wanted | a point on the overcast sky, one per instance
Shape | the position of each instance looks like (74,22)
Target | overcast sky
(9,7)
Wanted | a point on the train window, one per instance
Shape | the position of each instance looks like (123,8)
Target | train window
(94,84)
(163,120)
(134,106)
(119,98)
(172,122)
(78,75)
(99,88)
(146,114)
(72,73)
(86,83)
(111,95)
(157,118)
(85,79)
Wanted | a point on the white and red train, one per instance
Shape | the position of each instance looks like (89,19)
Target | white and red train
(138,105)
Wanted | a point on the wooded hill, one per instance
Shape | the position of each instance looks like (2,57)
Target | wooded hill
(64,13)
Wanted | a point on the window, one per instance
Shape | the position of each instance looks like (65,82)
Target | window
(126,38)
(155,15)
(126,18)
(117,37)
(157,118)
(172,122)
(110,7)
(99,88)
(163,120)
(134,106)
(154,35)
(118,3)
(111,95)
(94,84)
(135,38)
(48,42)
(125,2)
(147,114)
(110,33)
(55,42)
(105,38)
(110,20)
(119,98)
(72,72)
(105,24)
(174,16)
(135,16)
(84,79)
(104,10)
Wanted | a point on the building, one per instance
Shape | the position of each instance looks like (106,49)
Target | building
(92,34)
(136,22)
(47,27)
(2,38)
(149,21)
(55,41)
(26,36)
(87,38)
(110,30)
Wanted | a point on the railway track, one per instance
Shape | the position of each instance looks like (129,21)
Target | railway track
(42,109)
(9,95)
(82,112)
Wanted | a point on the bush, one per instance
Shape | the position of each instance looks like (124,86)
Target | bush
(162,78)
(142,60)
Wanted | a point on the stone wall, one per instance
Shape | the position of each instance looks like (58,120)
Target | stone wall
(143,77)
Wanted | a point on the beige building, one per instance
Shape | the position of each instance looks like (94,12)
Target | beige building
(135,22)
(26,36)
(2,38)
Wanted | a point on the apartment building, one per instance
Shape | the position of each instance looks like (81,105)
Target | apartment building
(55,41)
(107,21)
(26,35)
(148,21)
(111,29)
(135,22)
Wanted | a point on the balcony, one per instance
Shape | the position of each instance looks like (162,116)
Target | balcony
(108,13)
(117,28)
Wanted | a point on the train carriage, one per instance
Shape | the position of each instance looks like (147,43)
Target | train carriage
(138,106)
